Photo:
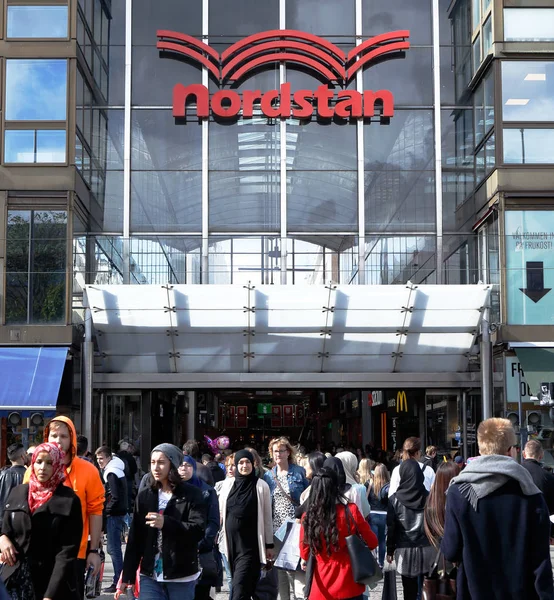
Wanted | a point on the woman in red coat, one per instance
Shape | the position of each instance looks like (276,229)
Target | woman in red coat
(324,531)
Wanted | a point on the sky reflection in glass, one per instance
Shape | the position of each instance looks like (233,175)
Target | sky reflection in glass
(36,90)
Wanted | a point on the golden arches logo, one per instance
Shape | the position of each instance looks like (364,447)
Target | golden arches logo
(401,402)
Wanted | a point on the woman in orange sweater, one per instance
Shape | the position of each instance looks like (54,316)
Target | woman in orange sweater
(324,531)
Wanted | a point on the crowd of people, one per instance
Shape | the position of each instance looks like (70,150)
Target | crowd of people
(277,524)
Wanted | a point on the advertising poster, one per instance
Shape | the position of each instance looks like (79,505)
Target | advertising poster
(276,416)
(530,267)
(288,415)
(242,416)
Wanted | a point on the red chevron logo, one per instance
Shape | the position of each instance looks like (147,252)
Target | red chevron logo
(288,46)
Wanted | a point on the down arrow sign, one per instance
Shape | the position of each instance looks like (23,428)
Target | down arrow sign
(535,289)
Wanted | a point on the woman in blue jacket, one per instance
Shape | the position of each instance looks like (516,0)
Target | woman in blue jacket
(286,483)
(206,546)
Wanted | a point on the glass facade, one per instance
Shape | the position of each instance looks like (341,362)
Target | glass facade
(303,190)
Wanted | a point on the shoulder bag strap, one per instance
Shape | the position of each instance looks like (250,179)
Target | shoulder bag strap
(436,562)
(350,518)
(283,491)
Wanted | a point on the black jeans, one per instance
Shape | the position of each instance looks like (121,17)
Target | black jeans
(411,586)
(202,591)
(80,567)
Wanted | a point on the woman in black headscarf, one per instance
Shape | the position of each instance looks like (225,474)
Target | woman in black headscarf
(247,527)
(350,492)
(406,539)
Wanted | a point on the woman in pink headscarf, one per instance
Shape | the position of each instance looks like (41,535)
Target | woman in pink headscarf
(41,532)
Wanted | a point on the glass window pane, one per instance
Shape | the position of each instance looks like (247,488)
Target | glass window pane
(37,21)
(480,166)
(19,146)
(399,201)
(148,17)
(322,200)
(526,91)
(479,113)
(48,267)
(166,201)
(17,265)
(245,145)
(36,89)
(490,160)
(235,194)
(476,50)
(312,146)
(322,17)
(50,146)
(489,101)
(476,13)
(409,78)
(528,24)
(529,146)
(157,142)
(380,17)
(487,36)
(245,18)
(406,143)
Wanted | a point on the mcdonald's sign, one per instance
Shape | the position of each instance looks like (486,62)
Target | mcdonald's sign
(401,402)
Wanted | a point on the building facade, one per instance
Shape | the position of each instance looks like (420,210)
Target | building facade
(113,175)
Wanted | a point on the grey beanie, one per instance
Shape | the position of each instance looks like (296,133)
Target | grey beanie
(172,452)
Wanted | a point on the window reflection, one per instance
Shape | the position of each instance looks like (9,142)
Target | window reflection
(528,24)
(406,143)
(400,201)
(322,200)
(244,200)
(166,201)
(327,18)
(36,89)
(529,146)
(35,267)
(415,15)
(34,146)
(149,16)
(527,90)
(245,145)
(37,22)
(245,18)
(398,259)
(158,143)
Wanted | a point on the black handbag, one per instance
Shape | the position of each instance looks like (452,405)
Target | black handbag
(365,569)
(212,569)
(439,585)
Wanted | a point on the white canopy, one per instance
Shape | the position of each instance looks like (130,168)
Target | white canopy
(286,329)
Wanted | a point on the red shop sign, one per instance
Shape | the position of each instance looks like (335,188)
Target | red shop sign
(313,53)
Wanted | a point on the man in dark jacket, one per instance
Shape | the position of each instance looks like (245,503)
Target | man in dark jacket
(497,524)
(533,454)
(430,459)
(131,469)
(115,508)
(13,475)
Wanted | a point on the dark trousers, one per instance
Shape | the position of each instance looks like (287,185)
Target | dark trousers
(411,586)
(80,566)
(202,591)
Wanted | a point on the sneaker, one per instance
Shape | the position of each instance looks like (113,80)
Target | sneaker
(110,590)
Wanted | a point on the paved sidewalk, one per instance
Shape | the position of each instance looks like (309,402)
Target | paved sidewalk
(224,594)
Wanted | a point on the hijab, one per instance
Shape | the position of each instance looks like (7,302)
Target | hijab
(335,464)
(350,464)
(41,492)
(243,500)
(194,480)
(411,492)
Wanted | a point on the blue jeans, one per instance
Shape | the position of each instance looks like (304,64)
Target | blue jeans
(156,590)
(227,568)
(114,530)
(379,528)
